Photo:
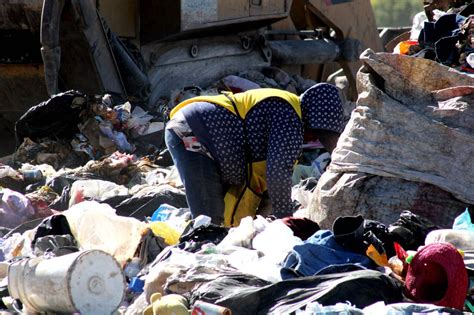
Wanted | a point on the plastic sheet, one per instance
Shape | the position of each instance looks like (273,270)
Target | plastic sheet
(96,226)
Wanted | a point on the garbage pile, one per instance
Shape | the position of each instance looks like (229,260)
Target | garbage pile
(170,264)
(94,220)
(444,34)
(405,146)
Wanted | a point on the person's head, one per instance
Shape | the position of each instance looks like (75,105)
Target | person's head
(322,113)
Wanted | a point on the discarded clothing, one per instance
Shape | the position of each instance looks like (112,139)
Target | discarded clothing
(301,227)
(319,251)
(360,288)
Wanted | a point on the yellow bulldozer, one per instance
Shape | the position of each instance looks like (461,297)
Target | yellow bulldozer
(142,49)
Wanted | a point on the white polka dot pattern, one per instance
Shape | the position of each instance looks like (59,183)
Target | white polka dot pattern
(279,142)
(322,108)
(274,134)
(226,132)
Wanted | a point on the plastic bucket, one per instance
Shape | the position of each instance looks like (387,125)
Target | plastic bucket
(88,282)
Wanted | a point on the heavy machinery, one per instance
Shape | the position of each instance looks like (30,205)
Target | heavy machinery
(142,49)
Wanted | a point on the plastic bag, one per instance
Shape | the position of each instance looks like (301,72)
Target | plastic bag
(463,222)
(276,241)
(402,128)
(163,212)
(241,235)
(461,239)
(17,245)
(95,189)
(162,229)
(7,171)
(57,117)
(96,226)
(413,122)
(15,208)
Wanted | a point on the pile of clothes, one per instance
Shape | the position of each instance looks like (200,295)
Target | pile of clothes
(444,32)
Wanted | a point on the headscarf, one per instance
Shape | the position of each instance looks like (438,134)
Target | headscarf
(321,108)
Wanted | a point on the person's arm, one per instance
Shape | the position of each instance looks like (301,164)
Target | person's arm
(327,138)
(284,146)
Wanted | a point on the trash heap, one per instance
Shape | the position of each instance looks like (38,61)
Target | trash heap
(94,220)
(405,147)
(444,33)
(169,263)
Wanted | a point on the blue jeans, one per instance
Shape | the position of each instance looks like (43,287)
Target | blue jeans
(201,178)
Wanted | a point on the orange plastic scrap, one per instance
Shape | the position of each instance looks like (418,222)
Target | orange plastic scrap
(404,47)
(379,258)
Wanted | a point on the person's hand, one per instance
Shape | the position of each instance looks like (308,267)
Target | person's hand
(270,218)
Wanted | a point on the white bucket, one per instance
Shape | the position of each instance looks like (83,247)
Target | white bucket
(88,282)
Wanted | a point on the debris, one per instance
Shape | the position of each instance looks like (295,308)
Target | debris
(108,195)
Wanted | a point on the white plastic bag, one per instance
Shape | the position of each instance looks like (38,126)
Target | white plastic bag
(241,235)
(96,226)
(276,241)
(95,189)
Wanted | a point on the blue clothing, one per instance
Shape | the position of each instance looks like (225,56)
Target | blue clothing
(274,133)
(201,179)
(320,251)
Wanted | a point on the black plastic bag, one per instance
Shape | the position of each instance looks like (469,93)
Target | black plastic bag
(360,288)
(192,239)
(56,118)
(53,225)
